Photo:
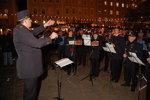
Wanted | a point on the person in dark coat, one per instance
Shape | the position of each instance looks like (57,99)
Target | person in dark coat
(131,68)
(95,55)
(81,49)
(70,50)
(148,71)
(7,48)
(116,58)
(28,48)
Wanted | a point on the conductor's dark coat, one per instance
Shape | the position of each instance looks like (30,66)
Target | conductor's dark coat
(28,47)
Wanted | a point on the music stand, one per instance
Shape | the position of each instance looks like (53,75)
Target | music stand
(133,58)
(109,48)
(59,65)
(89,75)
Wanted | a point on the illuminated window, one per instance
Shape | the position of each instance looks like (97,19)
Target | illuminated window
(127,6)
(117,4)
(105,2)
(117,12)
(111,12)
(123,5)
(111,3)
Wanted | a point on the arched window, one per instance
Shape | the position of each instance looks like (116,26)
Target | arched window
(35,11)
(43,11)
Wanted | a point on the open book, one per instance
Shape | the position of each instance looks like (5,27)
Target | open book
(109,48)
(133,58)
(63,62)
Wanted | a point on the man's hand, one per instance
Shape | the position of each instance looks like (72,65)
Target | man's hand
(113,44)
(125,55)
(49,23)
(148,59)
(53,35)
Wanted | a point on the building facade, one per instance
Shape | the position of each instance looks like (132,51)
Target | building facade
(102,12)
(114,12)
(63,11)
(8,9)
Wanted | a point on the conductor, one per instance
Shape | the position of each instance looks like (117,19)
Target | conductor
(28,47)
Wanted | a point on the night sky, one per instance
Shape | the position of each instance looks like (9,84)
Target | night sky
(22,5)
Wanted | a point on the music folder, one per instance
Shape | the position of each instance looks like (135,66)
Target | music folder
(133,58)
(109,48)
(87,40)
(106,49)
(63,62)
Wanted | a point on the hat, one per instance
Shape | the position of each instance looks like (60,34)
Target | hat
(133,34)
(22,14)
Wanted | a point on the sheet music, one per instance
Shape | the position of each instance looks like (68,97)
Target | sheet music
(135,59)
(111,48)
(106,49)
(63,62)
(71,42)
(84,36)
(87,42)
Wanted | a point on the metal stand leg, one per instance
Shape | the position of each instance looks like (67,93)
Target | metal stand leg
(59,84)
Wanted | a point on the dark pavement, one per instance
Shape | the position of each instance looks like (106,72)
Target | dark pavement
(72,87)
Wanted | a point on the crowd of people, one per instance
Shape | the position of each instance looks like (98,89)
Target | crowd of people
(72,45)
(81,45)
(7,51)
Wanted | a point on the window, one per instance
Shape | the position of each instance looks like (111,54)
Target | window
(43,11)
(111,3)
(105,2)
(127,6)
(73,11)
(111,12)
(117,12)
(67,11)
(35,11)
(57,1)
(123,5)
(117,4)
(57,12)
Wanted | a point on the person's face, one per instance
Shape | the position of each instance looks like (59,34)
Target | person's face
(140,35)
(95,36)
(81,32)
(28,22)
(148,34)
(116,31)
(70,33)
(131,38)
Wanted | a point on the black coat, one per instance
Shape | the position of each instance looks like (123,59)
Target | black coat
(28,48)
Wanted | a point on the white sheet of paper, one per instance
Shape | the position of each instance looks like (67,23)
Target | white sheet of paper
(63,62)
(135,59)
(111,48)
(87,42)
(106,49)
(71,42)
(84,36)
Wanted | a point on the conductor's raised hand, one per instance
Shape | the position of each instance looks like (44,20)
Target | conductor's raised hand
(53,35)
(49,23)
